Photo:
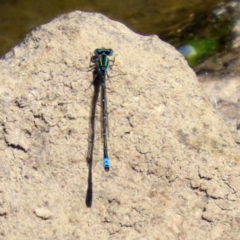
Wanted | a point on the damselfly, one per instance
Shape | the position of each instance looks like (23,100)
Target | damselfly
(101,67)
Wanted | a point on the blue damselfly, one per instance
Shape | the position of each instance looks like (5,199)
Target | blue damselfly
(101,66)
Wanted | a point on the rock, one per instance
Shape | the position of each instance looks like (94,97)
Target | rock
(43,213)
(174,164)
(236,31)
(236,23)
(219,76)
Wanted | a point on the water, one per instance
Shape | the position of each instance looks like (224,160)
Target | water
(172,20)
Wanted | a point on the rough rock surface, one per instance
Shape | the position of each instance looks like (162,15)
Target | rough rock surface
(175,166)
(219,76)
(224,95)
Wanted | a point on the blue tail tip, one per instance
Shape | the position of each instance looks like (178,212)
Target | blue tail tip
(106,164)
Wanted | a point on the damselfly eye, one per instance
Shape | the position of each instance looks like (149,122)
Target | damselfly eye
(110,52)
(97,52)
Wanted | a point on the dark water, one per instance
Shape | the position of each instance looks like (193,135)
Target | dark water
(172,20)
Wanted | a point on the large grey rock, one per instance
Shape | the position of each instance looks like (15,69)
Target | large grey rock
(219,77)
(224,95)
(175,166)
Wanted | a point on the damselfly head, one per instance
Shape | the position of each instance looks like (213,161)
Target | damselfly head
(100,51)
